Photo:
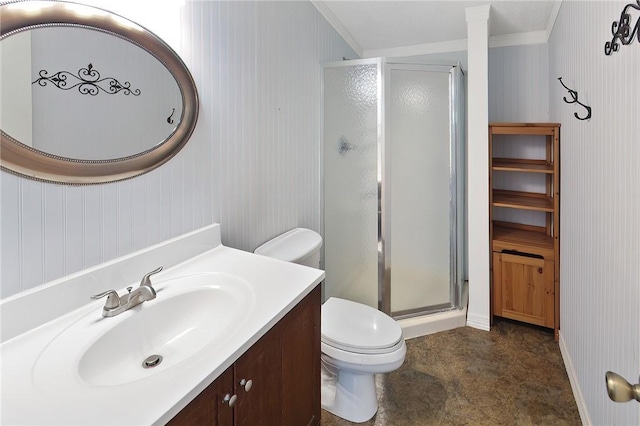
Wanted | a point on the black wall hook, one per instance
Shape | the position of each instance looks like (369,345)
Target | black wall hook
(574,96)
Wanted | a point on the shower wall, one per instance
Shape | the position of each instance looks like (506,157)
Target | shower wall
(351,115)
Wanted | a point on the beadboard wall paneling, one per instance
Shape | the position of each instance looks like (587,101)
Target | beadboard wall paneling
(252,164)
(518,83)
(262,69)
(600,208)
(519,92)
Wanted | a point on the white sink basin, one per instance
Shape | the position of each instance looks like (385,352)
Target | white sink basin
(189,314)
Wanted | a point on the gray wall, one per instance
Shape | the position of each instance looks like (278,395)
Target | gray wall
(600,208)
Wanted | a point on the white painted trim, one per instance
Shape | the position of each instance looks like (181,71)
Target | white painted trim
(518,39)
(479,322)
(478,168)
(553,17)
(337,25)
(575,385)
(533,37)
(505,40)
(478,13)
(418,49)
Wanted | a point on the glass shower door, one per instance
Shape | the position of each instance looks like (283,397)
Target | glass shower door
(420,181)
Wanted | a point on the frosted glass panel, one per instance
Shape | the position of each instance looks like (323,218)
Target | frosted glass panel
(418,146)
(351,183)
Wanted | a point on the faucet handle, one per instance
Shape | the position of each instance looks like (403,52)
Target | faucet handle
(146,280)
(113,300)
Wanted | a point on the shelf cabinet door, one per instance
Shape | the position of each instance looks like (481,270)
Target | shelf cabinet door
(524,289)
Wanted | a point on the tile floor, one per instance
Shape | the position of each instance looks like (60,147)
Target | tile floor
(512,375)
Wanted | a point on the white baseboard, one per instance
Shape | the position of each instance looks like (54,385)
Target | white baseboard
(575,386)
(478,322)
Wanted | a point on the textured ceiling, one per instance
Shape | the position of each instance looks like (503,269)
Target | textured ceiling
(392,24)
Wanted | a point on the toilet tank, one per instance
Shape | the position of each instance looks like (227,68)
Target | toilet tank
(299,245)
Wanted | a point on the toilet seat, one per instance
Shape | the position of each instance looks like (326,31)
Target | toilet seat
(376,362)
(354,327)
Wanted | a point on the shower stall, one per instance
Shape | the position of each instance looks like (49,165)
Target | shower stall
(394,186)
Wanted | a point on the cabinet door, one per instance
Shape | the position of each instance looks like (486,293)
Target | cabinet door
(259,403)
(301,363)
(524,289)
(209,407)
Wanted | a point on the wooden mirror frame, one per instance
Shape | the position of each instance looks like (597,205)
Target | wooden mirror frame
(20,159)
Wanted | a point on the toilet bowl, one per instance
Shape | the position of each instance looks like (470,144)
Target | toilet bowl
(357,341)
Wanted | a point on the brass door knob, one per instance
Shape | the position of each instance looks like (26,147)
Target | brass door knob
(620,390)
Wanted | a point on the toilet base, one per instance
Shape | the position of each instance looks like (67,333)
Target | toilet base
(351,396)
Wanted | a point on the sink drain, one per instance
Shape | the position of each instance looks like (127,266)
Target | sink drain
(152,361)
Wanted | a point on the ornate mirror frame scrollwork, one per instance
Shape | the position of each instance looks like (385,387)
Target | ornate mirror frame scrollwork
(25,161)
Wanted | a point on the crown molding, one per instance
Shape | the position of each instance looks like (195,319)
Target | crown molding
(418,49)
(473,13)
(553,17)
(337,25)
(519,39)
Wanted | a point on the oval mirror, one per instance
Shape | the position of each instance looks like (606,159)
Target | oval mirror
(87,95)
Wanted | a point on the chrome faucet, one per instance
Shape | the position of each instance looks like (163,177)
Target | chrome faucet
(118,304)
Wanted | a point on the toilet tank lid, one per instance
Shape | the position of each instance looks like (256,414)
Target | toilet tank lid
(292,245)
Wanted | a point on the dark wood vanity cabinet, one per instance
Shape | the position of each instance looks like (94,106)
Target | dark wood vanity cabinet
(276,382)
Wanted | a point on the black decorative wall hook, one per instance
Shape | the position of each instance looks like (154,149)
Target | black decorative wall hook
(170,118)
(622,31)
(88,82)
(574,96)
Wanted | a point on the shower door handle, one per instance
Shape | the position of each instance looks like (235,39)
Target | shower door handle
(620,390)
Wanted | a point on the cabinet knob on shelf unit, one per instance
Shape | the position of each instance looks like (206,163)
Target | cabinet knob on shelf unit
(230,399)
(539,270)
(246,384)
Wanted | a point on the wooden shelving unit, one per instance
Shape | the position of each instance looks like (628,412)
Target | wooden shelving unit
(525,263)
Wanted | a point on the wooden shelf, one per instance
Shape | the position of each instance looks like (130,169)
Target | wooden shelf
(521,165)
(509,235)
(521,125)
(522,200)
(523,128)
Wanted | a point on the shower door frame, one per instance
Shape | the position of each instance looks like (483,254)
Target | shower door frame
(456,181)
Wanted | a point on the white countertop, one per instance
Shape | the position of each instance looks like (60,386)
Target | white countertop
(276,286)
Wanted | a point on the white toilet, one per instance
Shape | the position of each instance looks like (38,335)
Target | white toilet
(358,341)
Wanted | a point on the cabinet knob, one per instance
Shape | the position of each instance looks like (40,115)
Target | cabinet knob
(230,399)
(539,270)
(246,384)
